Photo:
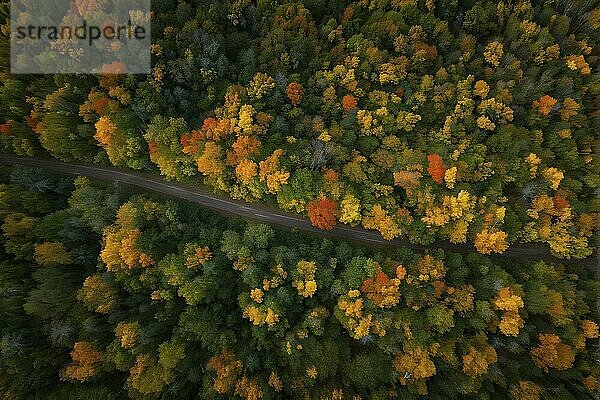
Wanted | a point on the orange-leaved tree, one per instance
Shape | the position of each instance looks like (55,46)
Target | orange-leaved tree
(348,102)
(294,92)
(545,104)
(436,167)
(322,213)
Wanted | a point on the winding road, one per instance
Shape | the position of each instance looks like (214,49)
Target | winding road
(265,214)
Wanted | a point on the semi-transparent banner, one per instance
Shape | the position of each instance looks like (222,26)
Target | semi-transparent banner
(80,36)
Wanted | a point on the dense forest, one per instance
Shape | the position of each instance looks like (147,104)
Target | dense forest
(108,294)
(468,121)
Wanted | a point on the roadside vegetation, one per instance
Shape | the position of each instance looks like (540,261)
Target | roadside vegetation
(111,295)
(470,121)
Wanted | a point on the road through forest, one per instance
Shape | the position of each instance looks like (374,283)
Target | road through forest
(261,213)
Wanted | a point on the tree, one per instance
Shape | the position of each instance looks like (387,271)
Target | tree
(294,92)
(545,104)
(210,162)
(243,147)
(196,255)
(98,295)
(60,129)
(493,53)
(165,150)
(348,102)
(488,242)
(552,353)
(18,231)
(52,254)
(128,333)
(87,361)
(322,213)
(525,390)
(112,139)
(245,170)
(379,219)
(438,120)
(436,167)
(414,364)
(350,210)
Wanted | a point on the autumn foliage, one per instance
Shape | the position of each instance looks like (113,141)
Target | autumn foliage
(294,93)
(497,106)
(448,126)
(166,280)
(322,213)
(552,353)
(86,362)
(50,254)
(545,104)
(6,129)
(348,102)
(436,167)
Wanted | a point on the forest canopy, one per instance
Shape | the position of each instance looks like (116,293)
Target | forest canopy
(108,294)
(473,122)
(467,121)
